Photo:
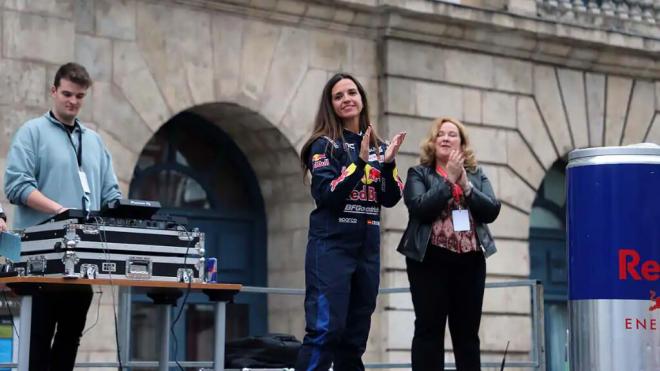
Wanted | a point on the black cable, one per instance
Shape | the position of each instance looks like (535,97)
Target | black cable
(104,245)
(98,310)
(185,297)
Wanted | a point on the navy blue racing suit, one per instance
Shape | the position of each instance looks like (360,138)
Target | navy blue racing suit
(342,264)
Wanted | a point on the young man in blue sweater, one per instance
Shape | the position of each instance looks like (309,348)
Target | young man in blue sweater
(54,164)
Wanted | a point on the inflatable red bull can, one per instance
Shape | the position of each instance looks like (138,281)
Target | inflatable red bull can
(613,222)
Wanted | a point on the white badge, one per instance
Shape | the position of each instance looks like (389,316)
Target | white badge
(461,220)
(83,182)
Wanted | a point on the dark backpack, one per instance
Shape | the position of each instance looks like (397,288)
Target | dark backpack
(267,351)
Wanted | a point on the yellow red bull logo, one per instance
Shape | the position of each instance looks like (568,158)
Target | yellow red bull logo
(371,175)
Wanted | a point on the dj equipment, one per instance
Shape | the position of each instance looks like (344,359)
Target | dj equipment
(113,245)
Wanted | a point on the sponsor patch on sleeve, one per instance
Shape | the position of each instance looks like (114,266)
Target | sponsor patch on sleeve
(319,160)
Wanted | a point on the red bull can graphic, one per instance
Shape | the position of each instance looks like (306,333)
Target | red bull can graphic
(613,234)
(211,270)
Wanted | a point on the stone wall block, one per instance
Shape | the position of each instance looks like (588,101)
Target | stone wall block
(499,109)
(618,95)
(507,300)
(439,100)
(522,161)
(400,96)
(472,103)
(364,60)
(390,258)
(299,119)
(55,8)
(489,144)
(180,58)
(401,329)
(114,114)
(470,69)
(84,16)
(496,330)
(572,89)
(133,77)
(640,113)
(227,38)
(37,37)
(413,60)
(22,83)
(595,84)
(200,83)
(512,257)
(416,131)
(259,40)
(287,72)
(123,159)
(531,127)
(546,91)
(279,243)
(513,190)
(327,51)
(653,135)
(12,118)
(96,55)
(510,223)
(513,75)
(394,218)
(115,19)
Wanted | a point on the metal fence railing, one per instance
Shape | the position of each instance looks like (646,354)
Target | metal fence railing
(537,354)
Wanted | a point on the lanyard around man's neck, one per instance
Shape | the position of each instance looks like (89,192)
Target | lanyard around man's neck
(78,150)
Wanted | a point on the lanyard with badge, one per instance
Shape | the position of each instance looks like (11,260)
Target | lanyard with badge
(81,174)
(460,217)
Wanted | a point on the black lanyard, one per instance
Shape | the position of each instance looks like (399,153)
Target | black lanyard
(68,135)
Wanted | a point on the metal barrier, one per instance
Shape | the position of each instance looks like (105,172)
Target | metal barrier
(536,362)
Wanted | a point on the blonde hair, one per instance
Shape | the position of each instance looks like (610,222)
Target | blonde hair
(427,155)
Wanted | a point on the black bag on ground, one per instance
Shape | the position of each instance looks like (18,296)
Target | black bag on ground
(267,351)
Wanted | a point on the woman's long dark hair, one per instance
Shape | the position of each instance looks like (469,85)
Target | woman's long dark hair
(328,124)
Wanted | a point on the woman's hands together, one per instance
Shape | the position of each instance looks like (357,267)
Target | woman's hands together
(394,146)
(455,169)
(390,152)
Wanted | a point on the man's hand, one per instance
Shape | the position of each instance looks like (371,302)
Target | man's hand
(37,201)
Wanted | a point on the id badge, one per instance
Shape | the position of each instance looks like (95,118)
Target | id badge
(83,182)
(461,220)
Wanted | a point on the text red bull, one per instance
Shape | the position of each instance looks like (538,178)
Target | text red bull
(613,211)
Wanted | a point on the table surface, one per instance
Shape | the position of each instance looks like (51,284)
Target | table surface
(4,281)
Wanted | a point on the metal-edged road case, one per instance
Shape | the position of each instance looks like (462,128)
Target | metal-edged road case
(73,249)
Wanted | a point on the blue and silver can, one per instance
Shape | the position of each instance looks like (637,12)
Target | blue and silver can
(613,220)
(211,270)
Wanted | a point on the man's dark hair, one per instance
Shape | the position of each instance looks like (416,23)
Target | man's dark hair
(74,73)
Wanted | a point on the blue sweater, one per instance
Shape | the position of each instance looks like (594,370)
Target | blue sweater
(43,157)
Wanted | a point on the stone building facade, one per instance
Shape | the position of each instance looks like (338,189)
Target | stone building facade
(531,79)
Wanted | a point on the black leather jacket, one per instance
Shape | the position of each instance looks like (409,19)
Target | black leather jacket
(426,195)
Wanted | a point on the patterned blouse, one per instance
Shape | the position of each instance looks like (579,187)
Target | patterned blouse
(444,236)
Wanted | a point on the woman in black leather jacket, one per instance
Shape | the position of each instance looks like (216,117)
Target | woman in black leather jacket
(449,202)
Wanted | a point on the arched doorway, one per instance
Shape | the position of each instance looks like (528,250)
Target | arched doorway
(196,171)
(547,244)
